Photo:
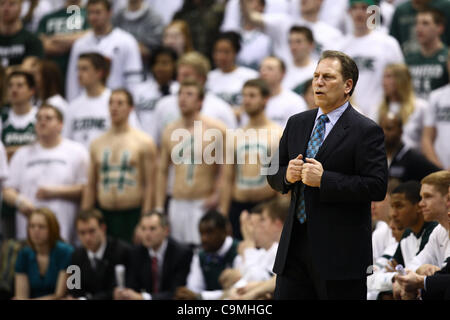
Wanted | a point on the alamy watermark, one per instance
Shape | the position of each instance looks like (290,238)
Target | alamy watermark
(374,20)
(236,146)
(75,21)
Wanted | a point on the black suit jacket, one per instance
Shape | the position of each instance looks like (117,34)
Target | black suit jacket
(99,283)
(338,213)
(176,266)
(438,285)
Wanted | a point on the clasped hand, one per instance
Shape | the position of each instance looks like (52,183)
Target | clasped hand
(309,171)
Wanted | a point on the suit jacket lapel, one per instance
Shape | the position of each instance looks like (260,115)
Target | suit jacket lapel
(305,133)
(339,131)
(166,263)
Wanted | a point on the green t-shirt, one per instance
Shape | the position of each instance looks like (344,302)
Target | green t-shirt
(17,130)
(428,73)
(62,22)
(404,19)
(14,48)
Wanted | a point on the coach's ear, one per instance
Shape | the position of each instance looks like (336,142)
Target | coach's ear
(348,86)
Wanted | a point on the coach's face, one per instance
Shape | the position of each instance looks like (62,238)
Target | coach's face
(330,89)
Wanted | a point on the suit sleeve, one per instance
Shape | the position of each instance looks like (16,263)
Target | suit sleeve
(436,287)
(277,170)
(370,181)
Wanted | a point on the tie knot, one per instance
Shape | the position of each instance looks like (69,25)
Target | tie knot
(324,118)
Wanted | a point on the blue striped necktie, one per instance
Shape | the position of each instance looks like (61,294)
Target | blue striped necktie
(313,146)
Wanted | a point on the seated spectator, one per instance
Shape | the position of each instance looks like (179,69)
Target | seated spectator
(382,237)
(139,19)
(15,42)
(161,83)
(58,32)
(283,103)
(301,44)
(48,78)
(407,214)
(227,79)
(158,266)
(435,287)
(177,36)
(427,66)
(48,173)
(41,265)
(119,46)
(379,284)
(437,126)
(18,120)
(434,207)
(96,258)
(404,162)
(218,252)
(399,99)
(260,245)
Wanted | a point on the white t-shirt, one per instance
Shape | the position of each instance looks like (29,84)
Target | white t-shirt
(255,46)
(146,95)
(413,128)
(438,117)
(277,26)
(257,264)
(33,167)
(167,110)
(297,75)
(87,118)
(120,47)
(232,18)
(3,166)
(381,280)
(372,53)
(228,86)
(382,238)
(281,107)
(436,251)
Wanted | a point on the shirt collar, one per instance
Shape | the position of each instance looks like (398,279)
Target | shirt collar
(334,115)
(99,253)
(161,251)
(225,246)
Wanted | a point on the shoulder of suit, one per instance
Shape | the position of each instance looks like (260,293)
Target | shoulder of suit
(177,245)
(303,115)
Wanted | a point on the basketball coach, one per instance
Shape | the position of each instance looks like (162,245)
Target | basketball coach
(333,161)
